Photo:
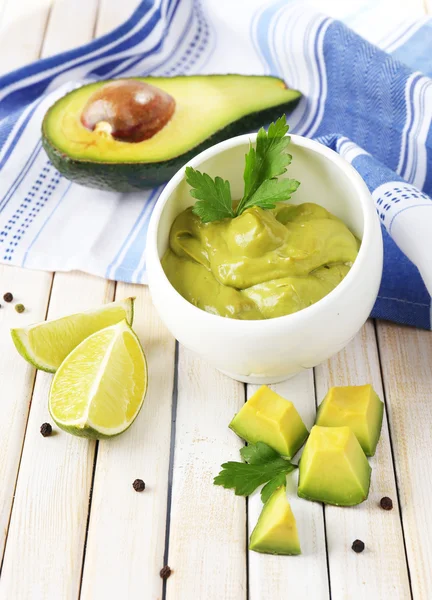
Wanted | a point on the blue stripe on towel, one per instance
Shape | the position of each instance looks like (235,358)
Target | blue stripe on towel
(362,102)
(417,53)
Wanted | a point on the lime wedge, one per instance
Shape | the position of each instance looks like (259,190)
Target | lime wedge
(46,345)
(100,387)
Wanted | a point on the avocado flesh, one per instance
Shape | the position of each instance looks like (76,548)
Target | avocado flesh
(263,263)
(276,530)
(209,109)
(269,418)
(357,407)
(333,468)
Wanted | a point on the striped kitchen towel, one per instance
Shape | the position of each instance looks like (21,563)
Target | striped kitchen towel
(371,102)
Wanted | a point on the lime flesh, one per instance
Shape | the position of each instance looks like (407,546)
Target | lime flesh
(99,389)
(46,345)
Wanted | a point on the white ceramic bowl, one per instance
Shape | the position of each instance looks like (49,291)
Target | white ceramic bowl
(272,350)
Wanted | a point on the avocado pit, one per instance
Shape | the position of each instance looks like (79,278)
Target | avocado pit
(129,110)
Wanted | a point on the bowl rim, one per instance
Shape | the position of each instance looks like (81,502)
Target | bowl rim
(358,185)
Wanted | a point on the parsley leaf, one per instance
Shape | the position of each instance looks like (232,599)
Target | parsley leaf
(272,486)
(264,465)
(271,191)
(264,164)
(213,195)
(244,478)
(258,454)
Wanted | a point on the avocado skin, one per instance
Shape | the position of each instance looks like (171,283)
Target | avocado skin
(354,502)
(132,177)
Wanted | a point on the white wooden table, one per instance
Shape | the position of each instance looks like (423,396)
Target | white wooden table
(71,526)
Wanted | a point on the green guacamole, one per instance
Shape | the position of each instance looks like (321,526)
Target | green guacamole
(262,264)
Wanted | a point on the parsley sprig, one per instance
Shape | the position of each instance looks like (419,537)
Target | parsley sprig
(263,165)
(262,465)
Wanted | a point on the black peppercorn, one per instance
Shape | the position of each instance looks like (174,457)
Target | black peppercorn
(358,546)
(165,572)
(20,308)
(386,503)
(8,297)
(138,485)
(46,429)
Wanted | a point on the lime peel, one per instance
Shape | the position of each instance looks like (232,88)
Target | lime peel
(45,345)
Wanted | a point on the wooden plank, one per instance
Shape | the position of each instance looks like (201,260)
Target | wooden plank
(112,14)
(126,538)
(381,570)
(70,24)
(406,358)
(2,9)
(16,377)
(22,31)
(207,540)
(48,523)
(134,542)
(304,576)
(48,526)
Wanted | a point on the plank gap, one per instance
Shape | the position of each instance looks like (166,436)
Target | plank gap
(323,505)
(45,29)
(247,521)
(247,546)
(171,463)
(389,425)
(88,516)
(35,372)
(96,21)
(327,553)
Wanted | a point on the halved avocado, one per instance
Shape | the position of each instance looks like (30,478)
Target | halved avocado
(208,109)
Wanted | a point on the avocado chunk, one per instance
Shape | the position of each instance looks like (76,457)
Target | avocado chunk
(206,110)
(358,407)
(333,468)
(267,417)
(276,530)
